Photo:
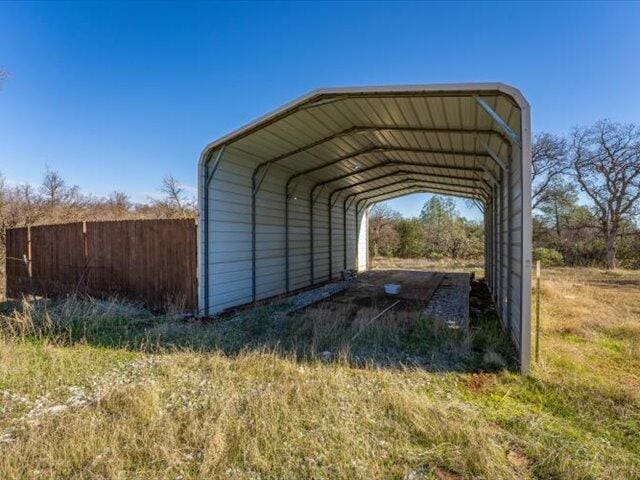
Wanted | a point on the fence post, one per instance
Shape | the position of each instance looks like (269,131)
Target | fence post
(83,274)
(537,311)
(29,262)
(84,240)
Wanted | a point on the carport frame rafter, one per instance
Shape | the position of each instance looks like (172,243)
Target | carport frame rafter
(487,191)
(384,164)
(208,177)
(408,180)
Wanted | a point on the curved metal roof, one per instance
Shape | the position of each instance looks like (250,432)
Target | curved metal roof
(382,142)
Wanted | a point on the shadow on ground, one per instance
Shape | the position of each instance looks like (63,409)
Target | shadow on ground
(406,338)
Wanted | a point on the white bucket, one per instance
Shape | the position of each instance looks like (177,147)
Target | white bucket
(391,288)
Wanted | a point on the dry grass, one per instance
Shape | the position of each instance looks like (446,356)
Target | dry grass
(592,317)
(72,406)
(443,265)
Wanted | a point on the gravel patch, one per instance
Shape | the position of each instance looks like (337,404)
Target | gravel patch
(450,302)
(309,297)
(288,306)
(79,396)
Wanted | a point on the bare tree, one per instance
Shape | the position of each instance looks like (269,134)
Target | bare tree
(28,203)
(4,206)
(174,193)
(175,201)
(548,163)
(55,190)
(52,187)
(118,203)
(384,239)
(606,164)
(53,201)
(19,205)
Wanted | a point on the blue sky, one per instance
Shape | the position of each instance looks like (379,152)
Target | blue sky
(116,95)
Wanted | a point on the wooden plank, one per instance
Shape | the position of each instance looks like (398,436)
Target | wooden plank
(17,272)
(149,260)
(57,258)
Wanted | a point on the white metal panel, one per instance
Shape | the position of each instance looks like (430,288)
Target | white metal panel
(337,245)
(351,238)
(346,136)
(363,241)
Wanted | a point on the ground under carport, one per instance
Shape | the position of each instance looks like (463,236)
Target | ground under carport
(426,324)
(439,295)
(351,322)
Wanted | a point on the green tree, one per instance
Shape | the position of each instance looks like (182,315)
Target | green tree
(606,164)
(438,211)
(442,232)
(558,204)
(411,235)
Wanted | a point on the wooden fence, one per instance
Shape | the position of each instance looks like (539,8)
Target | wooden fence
(153,261)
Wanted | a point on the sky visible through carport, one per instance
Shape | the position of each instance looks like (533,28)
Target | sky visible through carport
(410,205)
(115,96)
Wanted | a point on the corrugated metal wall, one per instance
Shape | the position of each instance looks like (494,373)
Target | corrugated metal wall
(508,248)
(230,245)
(363,241)
(230,242)
(230,239)
(503,254)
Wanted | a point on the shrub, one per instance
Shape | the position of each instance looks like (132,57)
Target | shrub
(548,257)
(631,263)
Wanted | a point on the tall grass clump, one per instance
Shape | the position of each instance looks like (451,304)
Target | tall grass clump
(70,319)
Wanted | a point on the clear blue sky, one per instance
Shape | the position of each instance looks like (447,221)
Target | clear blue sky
(116,95)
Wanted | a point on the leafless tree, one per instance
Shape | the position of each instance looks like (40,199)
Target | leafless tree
(53,201)
(28,204)
(548,163)
(55,190)
(606,164)
(174,192)
(19,205)
(52,187)
(383,237)
(175,201)
(4,205)
(118,203)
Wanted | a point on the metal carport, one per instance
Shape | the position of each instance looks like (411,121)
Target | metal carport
(283,201)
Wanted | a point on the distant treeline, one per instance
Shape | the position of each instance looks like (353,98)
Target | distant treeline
(585,199)
(438,232)
(55,201)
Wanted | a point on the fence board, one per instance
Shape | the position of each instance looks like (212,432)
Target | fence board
(17,272)
(57,258)
(149,260)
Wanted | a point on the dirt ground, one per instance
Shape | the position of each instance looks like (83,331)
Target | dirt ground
(416,289)
(366,298)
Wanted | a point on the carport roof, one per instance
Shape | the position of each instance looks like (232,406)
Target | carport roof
(380,142)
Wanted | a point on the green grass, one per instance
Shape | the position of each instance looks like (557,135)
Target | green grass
(163,398)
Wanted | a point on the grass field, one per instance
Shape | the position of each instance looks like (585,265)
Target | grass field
(99,390)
